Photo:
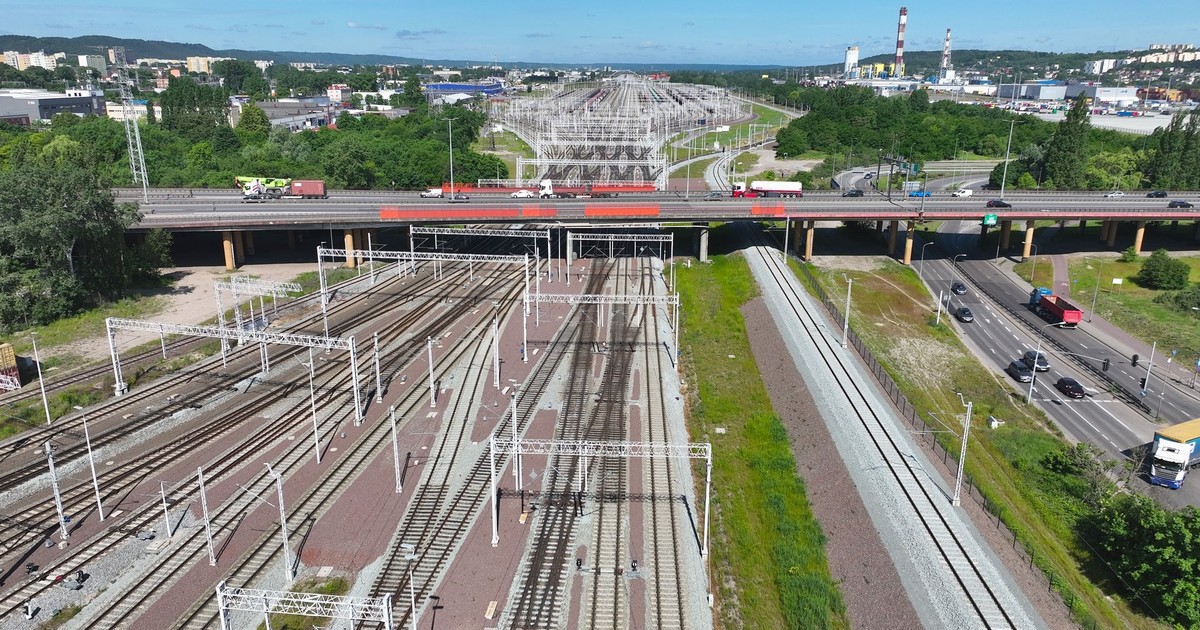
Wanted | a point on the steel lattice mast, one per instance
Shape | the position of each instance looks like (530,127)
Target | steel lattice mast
(133,137)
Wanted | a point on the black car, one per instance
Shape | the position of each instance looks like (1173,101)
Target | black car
(1179,203)
(964,314)
(1019,371)
(457,198)
(1070,387)
(998,203)
(852,192)
(1157,194)
(1036,360)
(958,288)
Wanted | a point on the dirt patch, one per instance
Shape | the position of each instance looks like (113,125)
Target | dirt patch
(191,300)
(782,168)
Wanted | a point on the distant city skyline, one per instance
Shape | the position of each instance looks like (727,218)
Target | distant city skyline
(769,32)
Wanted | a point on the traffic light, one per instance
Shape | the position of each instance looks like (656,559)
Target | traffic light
(1143,383)
(1105,366)
(1135,360)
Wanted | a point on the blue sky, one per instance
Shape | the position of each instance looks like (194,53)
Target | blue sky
(777,32)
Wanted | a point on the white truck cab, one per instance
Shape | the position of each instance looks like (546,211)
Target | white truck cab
(545,189)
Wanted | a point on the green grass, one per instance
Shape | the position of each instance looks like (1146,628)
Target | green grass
(768,554)
(60,617)
(893,314)
(697,169)
(508,147)
(87,324)
(331,586)
(1132,307)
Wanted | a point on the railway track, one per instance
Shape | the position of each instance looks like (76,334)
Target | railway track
(927,507)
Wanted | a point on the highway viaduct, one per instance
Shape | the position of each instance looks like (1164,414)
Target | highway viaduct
(359,213)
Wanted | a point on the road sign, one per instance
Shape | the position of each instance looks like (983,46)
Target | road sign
(989,220)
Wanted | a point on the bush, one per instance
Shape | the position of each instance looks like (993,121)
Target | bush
(1129,255)
(1160,271)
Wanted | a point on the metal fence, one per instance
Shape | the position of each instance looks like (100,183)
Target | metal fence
(912,416)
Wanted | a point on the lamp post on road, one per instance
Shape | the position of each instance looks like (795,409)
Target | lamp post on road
(923,258)
(1011,125)
(450,133)
(1096,291)
(962,452)
(846,322)
(1033,267)
(1037,353)
(954,263)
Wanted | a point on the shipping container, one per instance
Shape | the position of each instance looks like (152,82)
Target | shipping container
(309,189)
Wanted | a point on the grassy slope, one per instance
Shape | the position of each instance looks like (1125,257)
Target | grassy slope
(893,313)
(768,559)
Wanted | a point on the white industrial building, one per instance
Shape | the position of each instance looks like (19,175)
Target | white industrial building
(850,69)
(1119,96)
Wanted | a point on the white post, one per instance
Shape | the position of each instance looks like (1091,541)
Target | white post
(324,289)
(378,377)
(62,519)
(358,417)
(786,228)
(312,399)
(707,493)
(1033,369)
(371,257)
(87,437)
(525,331)
(962,457)
(1148,364)
(212,556)
(162,488)
(492,456)
(495,352)
(412,592)
(162,339)
(395,449)
(37,361)
(846,321)
(287,552)
(526,284)
(568,258)
(432,390)
(939,310)
(549,258)
(512,414)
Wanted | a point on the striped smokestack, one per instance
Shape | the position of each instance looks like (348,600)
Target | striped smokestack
(898,66)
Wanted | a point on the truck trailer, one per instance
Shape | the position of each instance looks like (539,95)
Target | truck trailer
(766,188)
(1176,450)
(1055,308)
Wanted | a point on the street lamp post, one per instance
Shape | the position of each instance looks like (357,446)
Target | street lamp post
(87,438)
(962,452)
(1033,267)
(1011,125)
(410,554)
(450,133)
(846,321)
(954,263)
(923,257)
(1037,353)
(1096,291)
(924,193)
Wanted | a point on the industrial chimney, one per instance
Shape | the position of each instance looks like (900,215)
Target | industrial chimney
(898,66)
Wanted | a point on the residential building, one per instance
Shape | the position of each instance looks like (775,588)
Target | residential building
(96,62)
(1099,66)
(203,65)
(338,92)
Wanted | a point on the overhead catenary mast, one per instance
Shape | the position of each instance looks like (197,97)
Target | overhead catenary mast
(133,137)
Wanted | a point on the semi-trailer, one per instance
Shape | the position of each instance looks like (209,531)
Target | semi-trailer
(1176,450)
(1055,308)
(767,188)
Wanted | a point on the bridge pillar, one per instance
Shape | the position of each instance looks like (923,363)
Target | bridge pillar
(1005,233)
(1028,240)
(809,231)
(893,230)
(249,243)
(1112,233)
(910,233)
(291,239)
(879,228)
(1138,236)
(227,248)
(1104,225)
(349,239)
(1082,227)
(702,244)
(795,234)
(239,248)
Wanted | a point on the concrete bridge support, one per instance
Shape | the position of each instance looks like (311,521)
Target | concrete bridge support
(910,234)
(249,243)
(1005,234)
(291,239)
(1112,233)
(1028,240)
(809,231)
(227,248)
(1138,237)
(893,230)
(239,248)
(796,236)
(349,239)
(702,243)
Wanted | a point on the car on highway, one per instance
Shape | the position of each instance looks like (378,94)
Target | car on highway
(962,192)
(1157,194)
(458,198)
(1179,203)
(1113,194)
(1070,387)
(998,203)
(964,315)
(920,193)
(852,192)
(1036,360)
(868,175)
(958,288)
(523,194)
(714,196)
(1019,371)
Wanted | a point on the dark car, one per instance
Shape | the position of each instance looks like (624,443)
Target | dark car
(1179,203)
(958,288)
(920,193)
(714,196)
(1157,194)
(457,198)
(998,203)
(1019,371)
(964,314)
(1036,360)
(852,192)
(1070,387)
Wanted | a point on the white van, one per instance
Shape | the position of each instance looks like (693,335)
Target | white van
(432,192)
(962,192)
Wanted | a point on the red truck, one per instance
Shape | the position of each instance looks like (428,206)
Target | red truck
(1055,308)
